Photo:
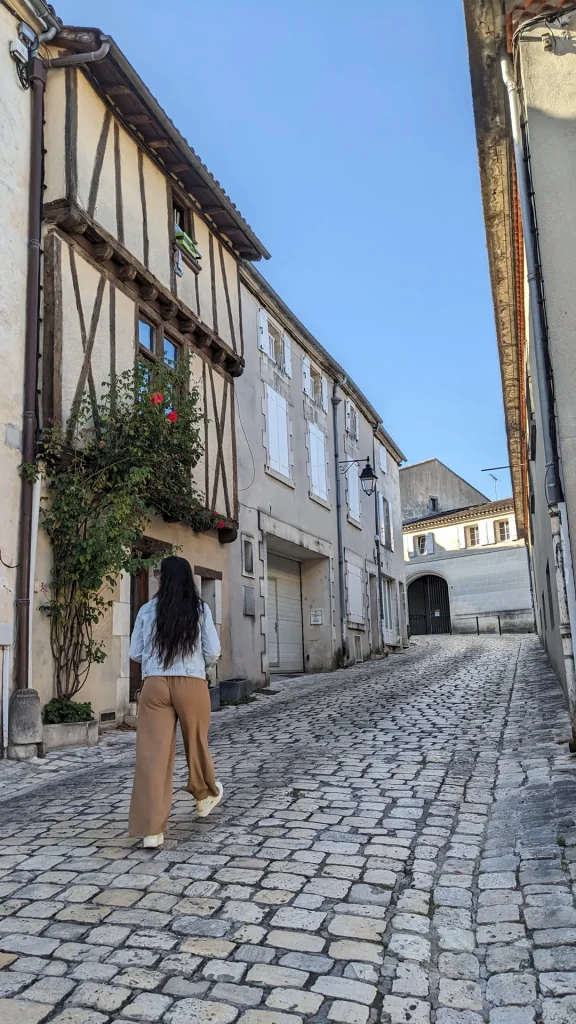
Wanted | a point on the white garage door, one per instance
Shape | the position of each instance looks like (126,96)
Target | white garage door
(285,651)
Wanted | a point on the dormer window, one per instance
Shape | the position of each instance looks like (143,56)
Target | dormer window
(183,218)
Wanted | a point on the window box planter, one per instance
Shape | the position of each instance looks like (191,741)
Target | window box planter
(70,734)
(235,689)
(227,534)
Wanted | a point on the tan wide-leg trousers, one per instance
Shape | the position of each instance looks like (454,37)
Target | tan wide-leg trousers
(163,701)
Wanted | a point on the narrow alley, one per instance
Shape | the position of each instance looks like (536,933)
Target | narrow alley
(397,842)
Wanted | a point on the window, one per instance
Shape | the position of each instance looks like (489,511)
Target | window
(184,230)
(472,536)
(317,455)
(352,421)
(170,352)
(274,342)
(420,544)
(502,531)
(434,504)
(277,416)
(146,335)
(247,555)
(314,384)
(353,491)
(355,588)
(153,342)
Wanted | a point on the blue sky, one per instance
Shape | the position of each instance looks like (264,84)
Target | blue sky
(344,133)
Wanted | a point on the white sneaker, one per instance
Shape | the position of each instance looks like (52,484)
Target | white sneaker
(204,807)
(153,842)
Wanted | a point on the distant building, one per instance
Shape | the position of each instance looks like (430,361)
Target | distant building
(429,487)
(466,569)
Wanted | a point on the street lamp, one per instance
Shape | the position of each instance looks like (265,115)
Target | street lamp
(368,477)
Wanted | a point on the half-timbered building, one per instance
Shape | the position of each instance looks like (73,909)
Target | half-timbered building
(142,249)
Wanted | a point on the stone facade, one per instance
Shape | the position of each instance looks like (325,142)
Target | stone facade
(430,486)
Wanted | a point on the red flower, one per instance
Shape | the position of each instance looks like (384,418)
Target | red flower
(172,416)
(157,398)
(222,525)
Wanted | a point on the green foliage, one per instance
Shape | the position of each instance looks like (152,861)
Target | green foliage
(115,464)
(60,709)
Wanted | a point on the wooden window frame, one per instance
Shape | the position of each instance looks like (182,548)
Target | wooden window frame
(178,202)
(161,330)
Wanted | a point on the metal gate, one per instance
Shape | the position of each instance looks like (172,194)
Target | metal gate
(429,606)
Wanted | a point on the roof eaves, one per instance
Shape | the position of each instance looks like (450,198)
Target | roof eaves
(80,40)
(471,512)
(258,284)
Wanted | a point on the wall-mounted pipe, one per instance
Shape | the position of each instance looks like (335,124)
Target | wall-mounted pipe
(336,400)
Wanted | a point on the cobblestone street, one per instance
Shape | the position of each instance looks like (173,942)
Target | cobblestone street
(397,843)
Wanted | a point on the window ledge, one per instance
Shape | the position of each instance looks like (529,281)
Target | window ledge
(319,500)
(280,477)
(354,522)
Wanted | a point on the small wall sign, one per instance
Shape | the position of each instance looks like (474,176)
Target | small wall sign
(316,617)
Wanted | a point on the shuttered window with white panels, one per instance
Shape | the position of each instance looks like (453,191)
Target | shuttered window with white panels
(277,425)
(353,491)
(355,586)
(317,455)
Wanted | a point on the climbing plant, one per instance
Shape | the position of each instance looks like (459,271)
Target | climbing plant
(118,461)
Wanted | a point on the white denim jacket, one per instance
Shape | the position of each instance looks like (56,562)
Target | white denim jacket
(194,664)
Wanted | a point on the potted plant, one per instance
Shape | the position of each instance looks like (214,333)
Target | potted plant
(68,723)
(227,531)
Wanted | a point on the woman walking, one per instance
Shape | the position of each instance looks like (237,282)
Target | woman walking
(175,640)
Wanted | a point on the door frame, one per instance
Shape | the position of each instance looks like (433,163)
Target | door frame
(427,576)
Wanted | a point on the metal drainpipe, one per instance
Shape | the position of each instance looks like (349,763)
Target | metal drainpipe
(543,378)
(38,75)
(378,553)
(336,400)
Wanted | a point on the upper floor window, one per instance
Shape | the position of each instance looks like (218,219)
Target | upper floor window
(274,342)
(434,504)
(183,218)
(352,421)
(314,384)
(317,456)
(153,342)
(420,544)
(353,485)
(386,528)
(278,432)
(502,531)
(473,536)
(247,555)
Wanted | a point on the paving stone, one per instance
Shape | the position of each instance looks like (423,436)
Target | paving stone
(148,1006)
(409,946)
(410,980)
(239,995)
(558,983)
(17,1011)
(299,941)
(307,920)
(500,933)
(294,1000)
(99,996)
(140,977)
(406,1011)
(361,972)
(350,950)
(348,1013)
(345,989)
(272,976)
(224,970)
(72,1015)
(311,963)
(447,1015)
(507,958)
(459,994)
(459,966)
(511,989)
(512,1015)
(269,1017)
(188,1011)
(49,990)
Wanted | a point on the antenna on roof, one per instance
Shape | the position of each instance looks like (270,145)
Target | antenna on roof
(495,479)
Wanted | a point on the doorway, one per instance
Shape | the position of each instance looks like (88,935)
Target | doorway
(429,606)
(284,615)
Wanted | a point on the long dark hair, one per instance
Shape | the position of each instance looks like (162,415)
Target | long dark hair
(178,610)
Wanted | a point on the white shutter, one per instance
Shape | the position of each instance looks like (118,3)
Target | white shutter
(324,394)
(306,378)
(429,543)
(390,520)
(355,595)
(263,342)
(313,455)
(348,415)
(490,536)
(512,528)
(287,346)
(410,545)
(383,459)
(319,472)
(357,432)
(461,536)
(283,446)
(382,518)
(482,533)
(273,439)
(353,491)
